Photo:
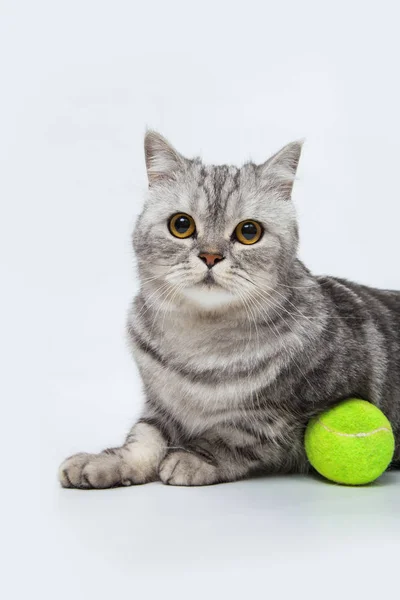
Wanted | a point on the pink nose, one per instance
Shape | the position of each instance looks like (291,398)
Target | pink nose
(210,259)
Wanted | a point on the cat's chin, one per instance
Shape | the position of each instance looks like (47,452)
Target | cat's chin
(209,297)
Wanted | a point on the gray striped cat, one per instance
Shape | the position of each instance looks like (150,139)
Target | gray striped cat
(237,343)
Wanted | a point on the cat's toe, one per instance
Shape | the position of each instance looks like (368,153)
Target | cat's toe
(70,471)
(102,472)
(185,468)
(95,471)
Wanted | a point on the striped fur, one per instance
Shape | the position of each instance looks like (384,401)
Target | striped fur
(235,367)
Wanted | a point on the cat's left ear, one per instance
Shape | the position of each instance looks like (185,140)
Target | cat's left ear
(280,169)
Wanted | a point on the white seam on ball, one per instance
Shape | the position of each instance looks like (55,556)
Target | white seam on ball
(354,435)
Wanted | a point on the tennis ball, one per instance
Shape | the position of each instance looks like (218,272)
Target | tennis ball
(351,443)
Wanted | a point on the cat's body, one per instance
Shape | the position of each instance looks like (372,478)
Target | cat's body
(236,357)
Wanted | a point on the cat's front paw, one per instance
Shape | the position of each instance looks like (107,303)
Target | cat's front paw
(186,468)
(94,471)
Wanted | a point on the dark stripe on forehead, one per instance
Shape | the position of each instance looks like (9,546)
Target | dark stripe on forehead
(233,188)
(202,176)
(217,190)
(211,190)
(236,180)
(220,175)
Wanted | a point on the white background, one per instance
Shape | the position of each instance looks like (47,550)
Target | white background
(80,81)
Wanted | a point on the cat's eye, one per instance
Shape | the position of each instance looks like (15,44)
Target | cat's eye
(248,232)
(182,225)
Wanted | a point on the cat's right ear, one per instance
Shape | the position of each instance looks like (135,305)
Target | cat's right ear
(162,160)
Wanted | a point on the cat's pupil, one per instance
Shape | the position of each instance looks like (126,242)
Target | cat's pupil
(182,224)
(249,230)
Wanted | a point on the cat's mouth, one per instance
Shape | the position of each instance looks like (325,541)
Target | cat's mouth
(209,280)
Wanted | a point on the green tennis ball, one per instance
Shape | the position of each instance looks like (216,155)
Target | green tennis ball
(352,443)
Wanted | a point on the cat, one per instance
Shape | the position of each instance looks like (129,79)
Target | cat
(237,343)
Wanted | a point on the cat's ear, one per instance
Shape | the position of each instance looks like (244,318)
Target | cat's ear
(162,160)
(280,169)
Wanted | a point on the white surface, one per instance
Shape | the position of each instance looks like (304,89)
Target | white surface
(79,83)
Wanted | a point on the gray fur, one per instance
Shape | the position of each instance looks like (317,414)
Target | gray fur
(234,368)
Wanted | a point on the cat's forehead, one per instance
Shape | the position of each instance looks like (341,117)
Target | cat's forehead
(217,192)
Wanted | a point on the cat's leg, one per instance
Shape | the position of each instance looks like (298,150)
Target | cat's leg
(137,461)
(205,463)
(214,460)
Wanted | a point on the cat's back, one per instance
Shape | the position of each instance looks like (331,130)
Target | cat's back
(354,299)
(366,320)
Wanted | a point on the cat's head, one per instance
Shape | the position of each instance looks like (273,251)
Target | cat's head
(212,236)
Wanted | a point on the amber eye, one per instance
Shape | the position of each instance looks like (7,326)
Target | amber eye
(182,226)
(248,232)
